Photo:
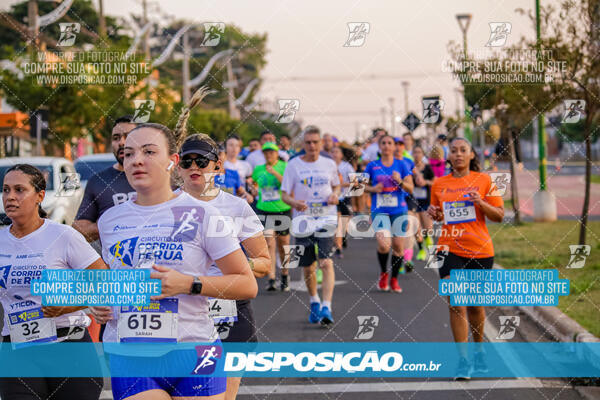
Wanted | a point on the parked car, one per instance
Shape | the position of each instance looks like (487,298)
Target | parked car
(91,164)
(63,189)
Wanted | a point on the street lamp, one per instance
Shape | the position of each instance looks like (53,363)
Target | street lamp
(464,20)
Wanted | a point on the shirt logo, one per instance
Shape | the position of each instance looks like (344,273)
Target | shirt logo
(4,276)
(187,221)
(207,359)
(123,251)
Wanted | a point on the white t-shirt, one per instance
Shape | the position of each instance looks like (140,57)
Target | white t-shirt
(242,167)
(312,182)
(345,168)
(245,221)
(52,245)
(258,158)
(370,153)
(177,230)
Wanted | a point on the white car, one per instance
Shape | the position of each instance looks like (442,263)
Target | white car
(91,164)
(63,189)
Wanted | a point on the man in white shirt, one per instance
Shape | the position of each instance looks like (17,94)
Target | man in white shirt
(311,186)
(371,153)
(257,157)
(233,147)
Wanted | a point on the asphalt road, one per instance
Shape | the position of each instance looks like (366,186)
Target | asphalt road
(416,315)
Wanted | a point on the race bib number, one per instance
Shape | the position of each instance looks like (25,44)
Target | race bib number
(270,194)
(420,193)
(222,310)
(387,200)
(317,209)
(30,326)
(456,212)
(155,322)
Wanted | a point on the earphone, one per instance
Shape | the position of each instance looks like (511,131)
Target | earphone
(171,164)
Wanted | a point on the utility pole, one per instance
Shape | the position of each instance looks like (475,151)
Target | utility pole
(186,68)
(392,117)
(102,21)
(147,34)
(231,83)
(464,20)
(383,117)
(32,18)
(405,85)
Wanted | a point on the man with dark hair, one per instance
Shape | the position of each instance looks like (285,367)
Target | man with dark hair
(285,144)
(107,188)
(371,153)
(257,157)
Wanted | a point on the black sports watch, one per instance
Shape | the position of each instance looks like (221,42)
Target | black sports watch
(196,286)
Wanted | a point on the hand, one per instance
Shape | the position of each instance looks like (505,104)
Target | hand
(378,188)
(396,176)
(300,205)
(102,314)
(475,197)
(249,198)
(435,213)
(332,199)
(269,169)
(173,282)
(56,311)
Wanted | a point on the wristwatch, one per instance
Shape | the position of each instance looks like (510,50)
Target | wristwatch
(196,286)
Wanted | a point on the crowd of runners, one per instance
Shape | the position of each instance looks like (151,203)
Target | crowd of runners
(296,198)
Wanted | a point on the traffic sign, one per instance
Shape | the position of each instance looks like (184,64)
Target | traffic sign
(411,121)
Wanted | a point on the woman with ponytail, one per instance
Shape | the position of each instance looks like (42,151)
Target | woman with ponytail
(33,244)
(464,199)
(162,219)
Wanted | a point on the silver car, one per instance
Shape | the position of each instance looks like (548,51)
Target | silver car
(63,188)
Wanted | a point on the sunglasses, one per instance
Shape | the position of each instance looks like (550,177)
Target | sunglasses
(201,162)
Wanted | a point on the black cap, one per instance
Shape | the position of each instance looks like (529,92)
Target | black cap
(442,137)
(199,147)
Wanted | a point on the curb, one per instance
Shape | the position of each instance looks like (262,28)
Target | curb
(556,323)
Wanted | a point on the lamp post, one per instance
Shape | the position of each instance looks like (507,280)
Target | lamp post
(464,20)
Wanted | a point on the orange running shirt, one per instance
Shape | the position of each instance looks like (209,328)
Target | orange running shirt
(465,239)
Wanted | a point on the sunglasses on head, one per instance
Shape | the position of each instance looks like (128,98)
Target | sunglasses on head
(201,162)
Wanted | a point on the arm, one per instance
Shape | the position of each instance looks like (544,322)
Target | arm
(289,200)
(56,311)
(493,213)
(260,260)
(408,184)
(87,228)
(237,282)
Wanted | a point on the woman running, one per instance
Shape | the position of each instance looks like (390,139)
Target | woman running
(424,177)
(31,244)
(390,180)
(199,157)
(268,178)
(344,206)
(175,227)
(462,199)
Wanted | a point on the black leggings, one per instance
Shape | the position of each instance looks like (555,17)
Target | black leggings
(51,388)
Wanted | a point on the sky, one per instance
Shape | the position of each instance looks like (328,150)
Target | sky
(306,59)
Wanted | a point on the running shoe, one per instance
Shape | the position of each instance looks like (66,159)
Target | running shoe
(409,266)
(402,270)
(315,309)
(319,275)
(271,286)
(421,255)
(326,318)
(284,283)
(383,282)
(463,370)
(479,364)
(395,285)
(344,242)
(428,241)
(338,254)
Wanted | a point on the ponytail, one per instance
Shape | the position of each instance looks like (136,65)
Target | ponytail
(180,131)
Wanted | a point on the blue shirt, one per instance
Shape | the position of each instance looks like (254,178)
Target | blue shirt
(410,164)
(391,200)
(228,182)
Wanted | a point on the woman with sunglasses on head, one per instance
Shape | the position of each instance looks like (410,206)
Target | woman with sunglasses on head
(28,246)
(464,199)
(198,162)
(173,231)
